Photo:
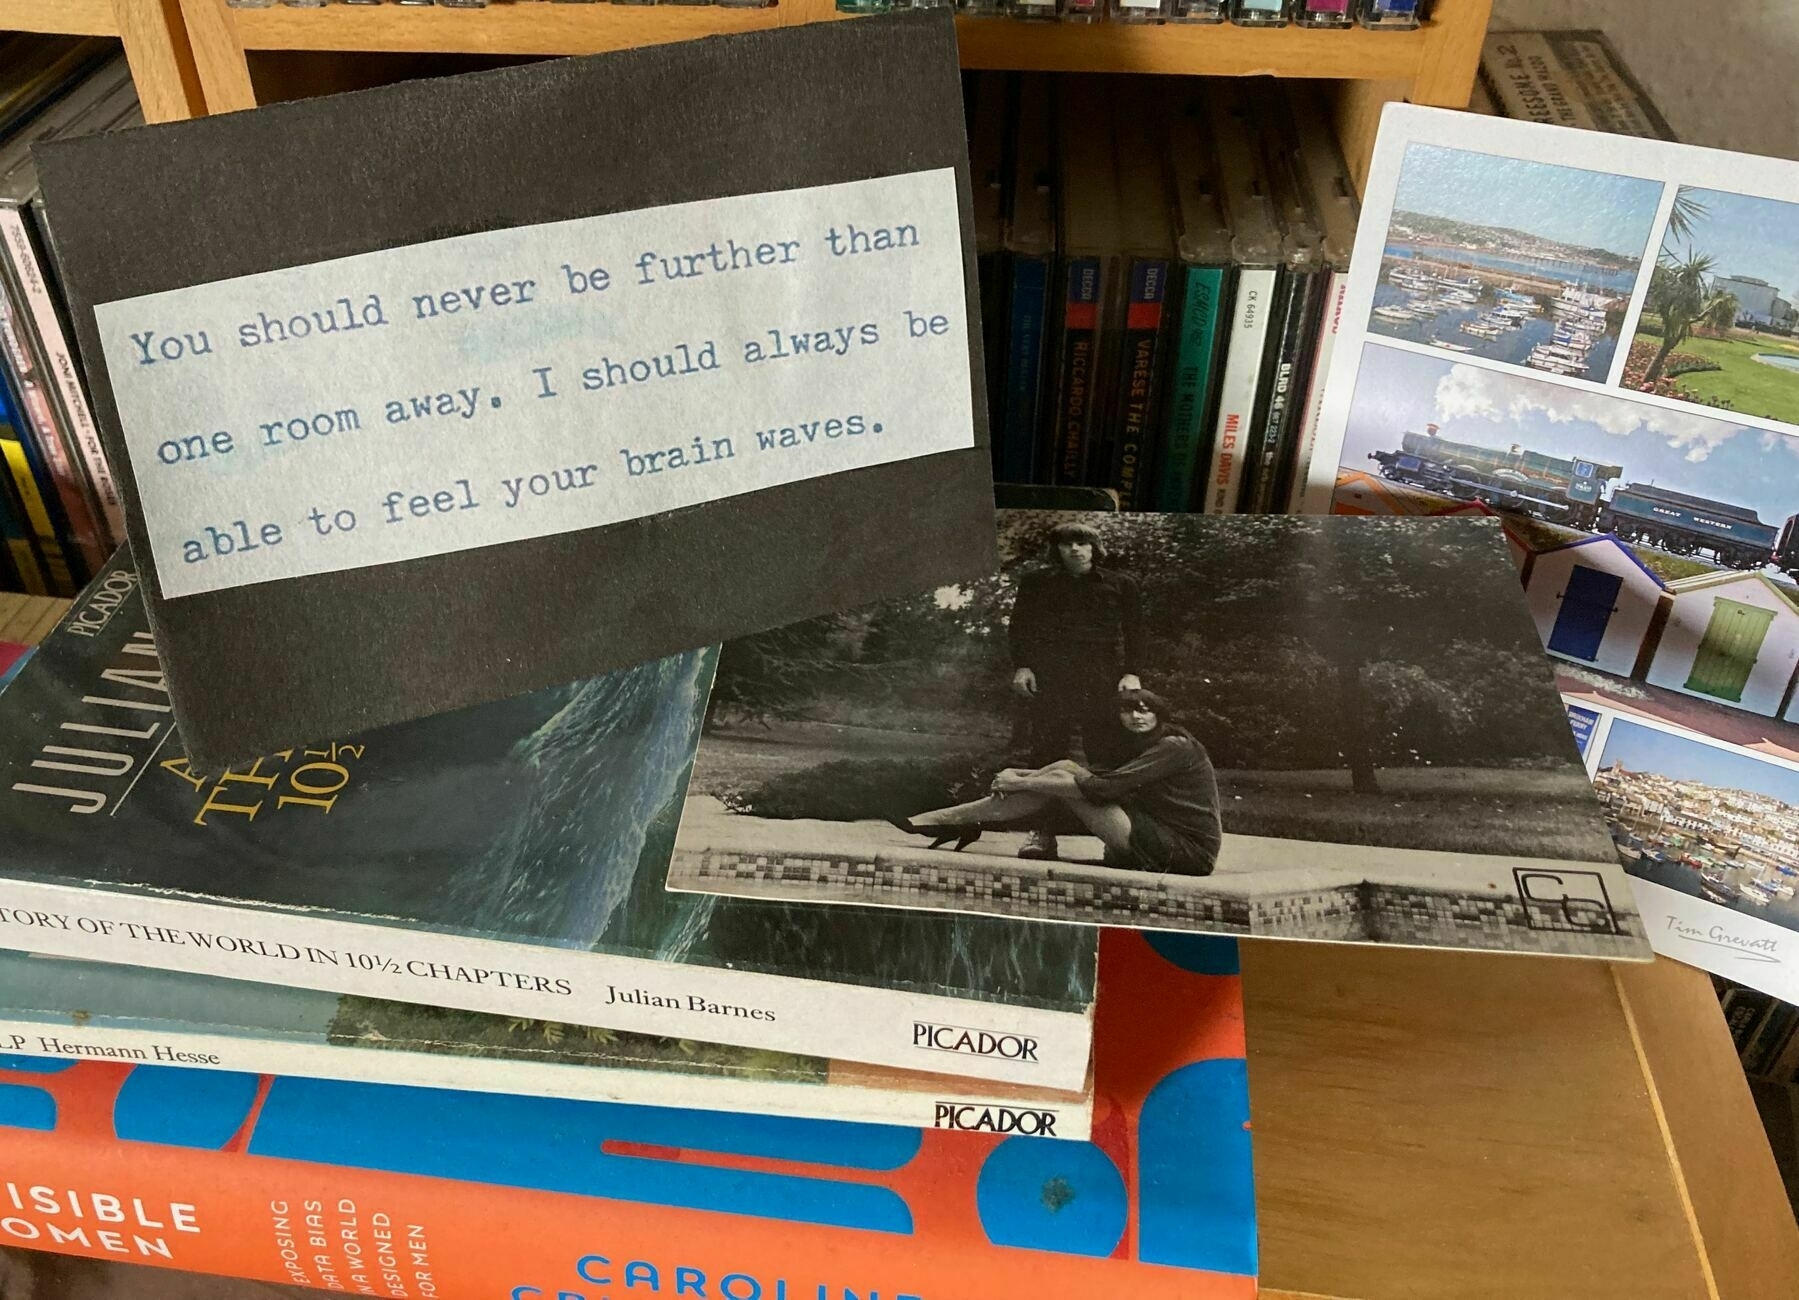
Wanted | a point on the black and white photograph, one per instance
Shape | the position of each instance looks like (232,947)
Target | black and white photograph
(1328,728)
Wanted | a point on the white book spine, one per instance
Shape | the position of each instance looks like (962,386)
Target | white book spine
(1315,478)
(933,1033)
(1237,390)
(59,364)
(952,1106)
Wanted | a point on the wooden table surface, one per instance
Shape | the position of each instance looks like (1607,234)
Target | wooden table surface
(1433,1124)
(25,620)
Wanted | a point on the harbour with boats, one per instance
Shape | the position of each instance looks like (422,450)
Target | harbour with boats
(1736,848)
(1502,309)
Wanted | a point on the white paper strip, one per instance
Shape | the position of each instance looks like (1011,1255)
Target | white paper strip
(520,383)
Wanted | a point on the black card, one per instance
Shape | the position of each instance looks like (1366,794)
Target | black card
(462,388)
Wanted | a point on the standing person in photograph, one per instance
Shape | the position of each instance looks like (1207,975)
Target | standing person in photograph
(1156,810)
(1076,639)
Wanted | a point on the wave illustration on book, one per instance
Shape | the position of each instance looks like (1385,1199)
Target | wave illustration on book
(599,770)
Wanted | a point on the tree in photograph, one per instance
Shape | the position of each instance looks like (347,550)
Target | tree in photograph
(772,674)
(1681,292)
(1409,566)
(1685,215)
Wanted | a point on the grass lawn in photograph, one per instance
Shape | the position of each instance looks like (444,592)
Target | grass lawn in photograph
(1521,812)
(1744,384)
(1516,812)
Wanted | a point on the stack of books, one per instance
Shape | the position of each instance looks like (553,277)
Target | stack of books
(834,1096)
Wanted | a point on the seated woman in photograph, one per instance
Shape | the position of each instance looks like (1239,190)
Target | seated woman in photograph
(1157,810)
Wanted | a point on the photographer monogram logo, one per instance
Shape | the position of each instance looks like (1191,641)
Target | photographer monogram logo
(1564,899)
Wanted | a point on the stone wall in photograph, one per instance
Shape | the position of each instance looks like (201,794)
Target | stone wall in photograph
(1312,902)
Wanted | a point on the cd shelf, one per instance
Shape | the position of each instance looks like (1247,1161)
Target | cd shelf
(986,42)
(192,57)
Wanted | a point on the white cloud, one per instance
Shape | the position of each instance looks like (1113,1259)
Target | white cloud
(1772,439)
(1698,443)
(1468,391)
(1465,392)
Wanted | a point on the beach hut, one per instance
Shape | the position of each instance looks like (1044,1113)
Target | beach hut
(1593,602)
(1731,637)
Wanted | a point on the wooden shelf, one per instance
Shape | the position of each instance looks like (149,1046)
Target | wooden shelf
(550,29)
(150,31)
(73,17)
(533,28)
(1491,1125)
(1211,51)
(1434,64)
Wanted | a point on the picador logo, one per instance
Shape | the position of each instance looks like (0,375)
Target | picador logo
(973,1042)
(995,1119)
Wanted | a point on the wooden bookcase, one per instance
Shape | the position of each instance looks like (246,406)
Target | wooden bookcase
(1427,1124)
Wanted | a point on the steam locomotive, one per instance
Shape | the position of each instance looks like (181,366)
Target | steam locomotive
(1576,494)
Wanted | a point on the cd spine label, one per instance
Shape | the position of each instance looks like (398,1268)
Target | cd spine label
(34,503)
(1141,355)
(1285,372)
(1022,420)
(1237,394)
(38,419)
(1190,387)
(1315,464)
(1082,294)
(59,364)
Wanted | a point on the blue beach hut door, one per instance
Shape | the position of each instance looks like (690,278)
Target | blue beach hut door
(1588,604)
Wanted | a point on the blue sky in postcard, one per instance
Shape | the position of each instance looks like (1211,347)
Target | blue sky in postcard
(1746,236)
(1644,749)
(1567,204)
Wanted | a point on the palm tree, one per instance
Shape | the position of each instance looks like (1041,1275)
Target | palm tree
(1684,215)
(1682,294)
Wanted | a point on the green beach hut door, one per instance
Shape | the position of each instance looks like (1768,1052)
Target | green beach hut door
(1727,655)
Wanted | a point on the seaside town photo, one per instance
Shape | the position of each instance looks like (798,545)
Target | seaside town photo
(1707,821)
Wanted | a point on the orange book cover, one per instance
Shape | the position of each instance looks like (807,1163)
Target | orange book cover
(371,1189)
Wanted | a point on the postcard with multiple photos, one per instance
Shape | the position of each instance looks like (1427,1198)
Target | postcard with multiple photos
(1596,338)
